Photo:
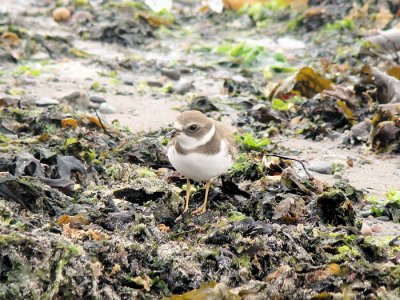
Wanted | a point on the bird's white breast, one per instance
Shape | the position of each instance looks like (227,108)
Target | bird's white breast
(200,167)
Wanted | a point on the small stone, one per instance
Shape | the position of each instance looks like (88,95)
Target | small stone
(361,131)
(154,83)
(94,105)
(365,229)
(171,74)
(276,227)
(128,80)
(337,175)
(40,56)
(61,14)
(377,228)
(72,96)
(334,135)
(77,98)
(321,167)
(365,213)
(183,87)
(97,99)
(46,101)
(383,218)
(203,104)
(395,242)
(106,108)
(82,16)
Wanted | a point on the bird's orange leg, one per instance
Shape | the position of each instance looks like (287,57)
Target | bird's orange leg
(202,209)
(187,195)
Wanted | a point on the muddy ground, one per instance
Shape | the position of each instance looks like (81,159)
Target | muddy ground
(91,208)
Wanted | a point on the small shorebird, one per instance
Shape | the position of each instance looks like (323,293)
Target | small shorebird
(200,149)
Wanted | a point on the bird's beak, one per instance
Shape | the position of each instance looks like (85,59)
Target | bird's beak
(171,134)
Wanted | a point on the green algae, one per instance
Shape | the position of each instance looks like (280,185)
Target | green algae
(11,238)
(235,216)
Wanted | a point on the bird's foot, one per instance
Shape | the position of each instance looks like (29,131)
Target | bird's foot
(201,210)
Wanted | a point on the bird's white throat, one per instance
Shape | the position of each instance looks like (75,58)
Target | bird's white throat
(189,143)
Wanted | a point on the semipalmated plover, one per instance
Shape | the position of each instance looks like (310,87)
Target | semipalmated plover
(200,149)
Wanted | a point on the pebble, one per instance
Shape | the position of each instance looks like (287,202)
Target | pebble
(334,135)
(82,16)
(337,175)
(128,80)
(46,101)
(395,242)
(94,105)
(40,56)
(77,98)
(321,167)
(203,104)
(61,14)
(377,228)
(275,227)
(171,74)
(106,108)
(72,96)
(365,229)
(365,213)
(183,87)
(154,84)
(97,99)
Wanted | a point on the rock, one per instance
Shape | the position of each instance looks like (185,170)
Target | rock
(94,105)
(171,74)
(46,101)
(377,228)
(97,99)
(126,79)
(383,218)
(183,87)
(395,242)
(78,99)
(106,108)
(337,175)
(203,104)
(361,131)
(82,16)
(365,213)
(334,135)
(321,167)
(142,189)
(26,164)
(335,208)
(264,115)
(289,210)
(7,100)
(365,229)
(40,56)
(61,14)
(386,133)
(154,83)
(392,208)
(293,181)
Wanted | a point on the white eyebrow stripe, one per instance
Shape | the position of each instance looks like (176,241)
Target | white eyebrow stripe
(189,143)
(178,126)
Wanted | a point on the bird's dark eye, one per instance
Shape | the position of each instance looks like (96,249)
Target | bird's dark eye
(193,128)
